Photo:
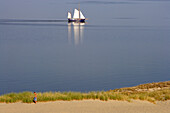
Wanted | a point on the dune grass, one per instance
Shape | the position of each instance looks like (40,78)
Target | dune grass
(123,94)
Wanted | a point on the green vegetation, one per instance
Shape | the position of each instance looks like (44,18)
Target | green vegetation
(151,92)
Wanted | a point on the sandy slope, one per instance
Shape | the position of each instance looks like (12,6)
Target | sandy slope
(87,106)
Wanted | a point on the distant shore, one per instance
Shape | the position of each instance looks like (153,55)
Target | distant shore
(152,92)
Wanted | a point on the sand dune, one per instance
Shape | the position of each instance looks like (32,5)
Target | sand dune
(87,106)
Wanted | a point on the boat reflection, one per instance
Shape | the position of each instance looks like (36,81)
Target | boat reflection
(78,32)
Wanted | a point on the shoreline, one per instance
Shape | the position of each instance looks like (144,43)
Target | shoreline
(145,98)
(152,92)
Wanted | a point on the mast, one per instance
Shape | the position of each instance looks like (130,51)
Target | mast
(79,10)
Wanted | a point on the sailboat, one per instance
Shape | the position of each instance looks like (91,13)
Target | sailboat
(77,17)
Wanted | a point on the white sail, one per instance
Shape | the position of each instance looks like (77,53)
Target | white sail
(76,14)
(81,15)
(69,15)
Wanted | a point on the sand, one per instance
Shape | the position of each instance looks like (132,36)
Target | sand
(87,106)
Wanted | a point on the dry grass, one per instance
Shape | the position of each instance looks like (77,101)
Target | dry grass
(146,87)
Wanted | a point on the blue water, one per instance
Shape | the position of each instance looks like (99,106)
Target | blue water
(124,43)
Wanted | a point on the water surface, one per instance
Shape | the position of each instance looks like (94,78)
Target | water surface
(123,44)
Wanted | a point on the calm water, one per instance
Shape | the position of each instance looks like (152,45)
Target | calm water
(124,43)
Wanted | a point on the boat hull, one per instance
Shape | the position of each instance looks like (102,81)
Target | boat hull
(76,20)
